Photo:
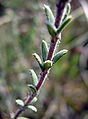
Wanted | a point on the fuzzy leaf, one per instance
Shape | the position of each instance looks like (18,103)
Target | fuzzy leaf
(47,64)
(22,118)
(38,59)
(20,102)
(33,108)
(49,14)
(34,77)
(12,115)
(33,88)
(68,9)
(34,100)
(59,55)
(51,28)
(64,24)
(45,50)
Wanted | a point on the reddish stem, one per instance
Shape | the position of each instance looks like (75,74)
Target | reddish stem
(18,113)
(52,48)
(60,9)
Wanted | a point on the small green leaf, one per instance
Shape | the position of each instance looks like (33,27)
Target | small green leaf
(49,14)
(64,24)
(12,115)
(45,50)
(47,64)
(34,77)
(59,55)
(33,88)
(68,9)
(33,108)
(51,28)
(22,118)
(38,59)
(20,102)
(34,100)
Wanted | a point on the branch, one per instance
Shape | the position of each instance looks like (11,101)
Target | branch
(59,16)
(61,5)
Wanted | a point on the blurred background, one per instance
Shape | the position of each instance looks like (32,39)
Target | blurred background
(22,28)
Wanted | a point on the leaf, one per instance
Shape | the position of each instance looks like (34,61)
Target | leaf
(33,108)
(59,55)
(34,100)
(34,77)
(22,118)
(49,14)
(20,102)
(45,50)
(64,24)
(68,9)
(12,115)
(47,64)
(51,28)
(33,88)
(38,59)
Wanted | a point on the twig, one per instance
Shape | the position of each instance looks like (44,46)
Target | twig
(60,11)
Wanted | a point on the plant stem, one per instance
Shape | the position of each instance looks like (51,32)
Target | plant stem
(60,9)
(41,81)
(52,48)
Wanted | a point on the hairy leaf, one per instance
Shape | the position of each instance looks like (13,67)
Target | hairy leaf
(45,50)
(20,102)
(51,28)
(22,118)
(64,24)
(59,55)
(33,108)
(34,77)
(47,64)
(34,100)
(49,14)
(38,59)
(68,9)
(33,88)
(12,115)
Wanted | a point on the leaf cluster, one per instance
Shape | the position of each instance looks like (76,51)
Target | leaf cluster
(43,62)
